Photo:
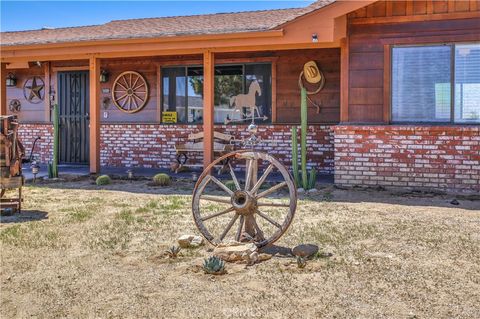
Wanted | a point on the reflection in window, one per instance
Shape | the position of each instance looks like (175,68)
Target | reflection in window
(467,83)
(237,90)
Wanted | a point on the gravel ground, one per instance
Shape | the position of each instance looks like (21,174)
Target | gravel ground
(81,251)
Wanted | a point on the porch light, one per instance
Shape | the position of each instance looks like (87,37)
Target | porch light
(130,174)
(314,38)
(103,76)
(11,80)
(35,168)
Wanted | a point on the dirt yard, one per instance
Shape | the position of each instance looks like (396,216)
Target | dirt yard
(82,251)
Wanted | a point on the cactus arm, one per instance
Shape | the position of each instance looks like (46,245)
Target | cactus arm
(303,138)
(295,156)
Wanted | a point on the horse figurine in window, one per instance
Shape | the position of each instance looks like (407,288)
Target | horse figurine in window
(247,100)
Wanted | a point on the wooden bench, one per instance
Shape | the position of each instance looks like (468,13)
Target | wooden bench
(222,144)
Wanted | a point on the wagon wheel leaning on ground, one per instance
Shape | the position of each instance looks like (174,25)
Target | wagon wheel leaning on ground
(248,210)
(130,92)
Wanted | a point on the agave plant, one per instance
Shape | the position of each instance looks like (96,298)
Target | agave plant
(214,265)
(172,252)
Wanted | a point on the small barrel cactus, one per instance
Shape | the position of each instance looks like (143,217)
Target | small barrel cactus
(161,179)
(214,265)
(103,180)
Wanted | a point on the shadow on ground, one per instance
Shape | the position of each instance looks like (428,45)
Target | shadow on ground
(23,216)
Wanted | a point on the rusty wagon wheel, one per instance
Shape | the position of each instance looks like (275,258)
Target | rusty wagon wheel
(130,92)
(253,207)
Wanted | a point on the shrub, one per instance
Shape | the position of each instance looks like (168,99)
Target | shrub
(214,266)
(103,180)
(231,185)
(161,179)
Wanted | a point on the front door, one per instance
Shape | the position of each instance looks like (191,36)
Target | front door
(73,102)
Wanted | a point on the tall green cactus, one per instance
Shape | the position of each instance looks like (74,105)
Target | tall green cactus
(312,179)
(55,140)
(303,138)
(295,156)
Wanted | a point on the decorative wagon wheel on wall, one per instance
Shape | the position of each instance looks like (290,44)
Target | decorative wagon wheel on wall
(249,211)
(130,92)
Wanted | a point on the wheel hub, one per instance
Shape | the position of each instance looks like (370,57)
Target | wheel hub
(244,203)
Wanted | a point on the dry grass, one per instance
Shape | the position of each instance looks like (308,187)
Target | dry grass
(97,252)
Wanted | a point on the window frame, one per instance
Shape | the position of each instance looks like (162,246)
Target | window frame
(221,62)
(388,86)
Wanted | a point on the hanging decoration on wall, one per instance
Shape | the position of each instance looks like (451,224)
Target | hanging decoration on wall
(130,92)
(241,101)
(34,89)
(14,106)
(312,75)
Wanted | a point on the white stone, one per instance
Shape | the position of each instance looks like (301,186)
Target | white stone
(188,241)
(236,252)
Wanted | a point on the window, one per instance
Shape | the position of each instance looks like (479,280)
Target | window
(237,88)
(422,78)
(181,94)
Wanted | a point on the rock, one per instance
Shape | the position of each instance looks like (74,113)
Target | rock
(312,191)
(454,202)
(263,257)
(236,252)
(190,241)
(305,250)
(300,191)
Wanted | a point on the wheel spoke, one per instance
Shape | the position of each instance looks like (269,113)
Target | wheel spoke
(122,97)
(221,185)
(271,221)
(229,226)
(130,80)
(123,86)
(249,173)
(271,190)
(216,199)
(137,97)
(259,232)
(134,83)
(139,86)
(228,210)
(240,227)
(262,179)
(134,102)
(234,177)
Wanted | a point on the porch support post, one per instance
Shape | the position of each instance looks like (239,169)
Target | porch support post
(344,82)
(208,84)
(3,89)
(94,115)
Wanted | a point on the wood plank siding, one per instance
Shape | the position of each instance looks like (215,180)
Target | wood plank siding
(285,105)
(374,29)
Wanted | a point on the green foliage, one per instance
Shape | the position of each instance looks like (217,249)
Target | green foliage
(303,137)
(161,179)
(225,87)
(103,180)
(231,185)
(312,179)
(214,265)
(296,176)
(173,251)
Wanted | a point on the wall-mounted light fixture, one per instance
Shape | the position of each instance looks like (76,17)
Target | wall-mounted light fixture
(314,38)
(11,80)
(103,76)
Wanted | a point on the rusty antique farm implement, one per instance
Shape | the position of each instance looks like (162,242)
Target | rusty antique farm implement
(11,154)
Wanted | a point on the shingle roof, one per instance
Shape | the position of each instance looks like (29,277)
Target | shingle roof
(220,23)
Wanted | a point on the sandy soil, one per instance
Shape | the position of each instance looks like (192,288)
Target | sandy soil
(81,251)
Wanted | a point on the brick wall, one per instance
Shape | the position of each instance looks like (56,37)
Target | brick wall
(440,157)
(43,148)
(152,145)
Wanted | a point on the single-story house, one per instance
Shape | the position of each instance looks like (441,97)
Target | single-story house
(400,106)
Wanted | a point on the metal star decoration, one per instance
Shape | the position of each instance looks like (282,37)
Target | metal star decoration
(33,90)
